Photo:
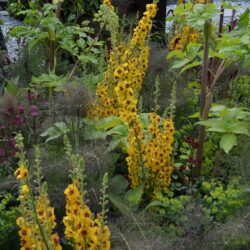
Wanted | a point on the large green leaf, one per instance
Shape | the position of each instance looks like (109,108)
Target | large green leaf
(192,50)
(177,53)
(179,63)
(118,185)
(119,204)
(216,125)
(190,65)
(120,129)
(108,122)
(244,19)
(134,195)
(238,128)
(58,129)
(227,142)
(156,204)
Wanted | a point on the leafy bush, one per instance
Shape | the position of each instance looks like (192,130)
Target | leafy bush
(8,226)
(240,91)
(221,201)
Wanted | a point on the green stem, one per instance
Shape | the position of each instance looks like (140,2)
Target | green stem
(36,217)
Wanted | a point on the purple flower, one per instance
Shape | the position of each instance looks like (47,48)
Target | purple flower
(20,108)
(2,152)
(19,120)
(33,110)
(10,109)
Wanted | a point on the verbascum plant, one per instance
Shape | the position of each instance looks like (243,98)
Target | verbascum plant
(128,62)
(187,34)
(82,228)
(37,220)
(148,161)
(37,223)
(158,152)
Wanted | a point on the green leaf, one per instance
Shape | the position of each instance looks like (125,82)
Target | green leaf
(195,115)
(50,80)
(177,53)
(11,89)
(179,10)
(244,19)
(239,128)
(87,59)
(217,108)
(217,129)
(120,129)
(189,66)
(118,185)
(119,204)
(59,129)
(114,144)
(227,142)
(180,63)
(134,195)
(92,133)
(156,204)
(192,50)
(215,124)
(108,122)
(53,133)
(246,61)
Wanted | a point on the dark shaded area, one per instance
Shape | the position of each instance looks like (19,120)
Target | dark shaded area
(2,43)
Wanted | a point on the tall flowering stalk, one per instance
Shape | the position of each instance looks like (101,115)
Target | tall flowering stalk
(148,161)
(82,228)
(158,154)
(127,65)
(37,220)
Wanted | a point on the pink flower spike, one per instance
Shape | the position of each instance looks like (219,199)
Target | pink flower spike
(20,108)
(33,110)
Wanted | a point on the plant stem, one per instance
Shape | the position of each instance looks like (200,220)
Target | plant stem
(52,47)
(204,84)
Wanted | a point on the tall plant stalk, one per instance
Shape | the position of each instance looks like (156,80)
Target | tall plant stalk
(208,83)
(203,92)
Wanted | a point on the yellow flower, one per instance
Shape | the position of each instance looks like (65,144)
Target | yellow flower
(55,242)
(71,192)
(21,173)
(109,4)
(24,190)
(106,245)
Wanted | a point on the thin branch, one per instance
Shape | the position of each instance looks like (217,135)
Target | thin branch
(218,74)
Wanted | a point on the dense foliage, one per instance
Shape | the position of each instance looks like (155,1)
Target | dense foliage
(109,140)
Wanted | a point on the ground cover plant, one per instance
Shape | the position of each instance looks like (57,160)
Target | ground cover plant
(111,139)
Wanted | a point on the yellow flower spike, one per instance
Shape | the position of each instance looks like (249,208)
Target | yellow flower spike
(21,172)
(24,189)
